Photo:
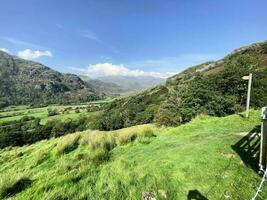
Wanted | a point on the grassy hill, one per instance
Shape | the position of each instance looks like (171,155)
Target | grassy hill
(28,82)
(210,157)
(213,88)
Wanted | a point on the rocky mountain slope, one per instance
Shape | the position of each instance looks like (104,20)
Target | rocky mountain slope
(108,88)
(28,82)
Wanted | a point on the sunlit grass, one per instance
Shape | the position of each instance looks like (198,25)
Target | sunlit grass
(124,164)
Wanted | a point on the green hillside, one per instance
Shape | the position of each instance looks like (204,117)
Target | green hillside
(212,88)
(208,158)
(31,83)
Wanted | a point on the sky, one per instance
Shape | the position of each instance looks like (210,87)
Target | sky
(126,37)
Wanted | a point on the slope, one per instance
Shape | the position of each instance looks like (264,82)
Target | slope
(213,88)
(109,89)
(209,157)
(28,82)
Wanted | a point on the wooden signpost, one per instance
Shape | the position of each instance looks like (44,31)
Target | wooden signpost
(249,78)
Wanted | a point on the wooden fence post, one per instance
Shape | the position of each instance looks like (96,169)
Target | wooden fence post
(263,137)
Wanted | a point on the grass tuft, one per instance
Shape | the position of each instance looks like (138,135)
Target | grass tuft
(68,144)
(40,157)
(124,138)
(13,184)
(99,155)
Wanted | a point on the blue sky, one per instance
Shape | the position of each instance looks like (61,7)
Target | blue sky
(109,37)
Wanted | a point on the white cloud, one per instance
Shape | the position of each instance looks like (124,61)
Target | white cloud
(4,50)
(31,55)
(165,67)
(109,69)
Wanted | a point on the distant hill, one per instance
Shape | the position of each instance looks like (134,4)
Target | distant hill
(133,83)
(213,88)
(28,82)
(108,88)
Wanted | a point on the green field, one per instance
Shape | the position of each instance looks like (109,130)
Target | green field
(208,158)
(13,113)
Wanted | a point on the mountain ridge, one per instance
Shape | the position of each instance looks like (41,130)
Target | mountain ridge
(29,82)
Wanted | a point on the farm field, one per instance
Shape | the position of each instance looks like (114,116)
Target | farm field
(208,158)
(13,113)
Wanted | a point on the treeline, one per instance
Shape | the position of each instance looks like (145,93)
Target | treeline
(28,129)
(218,94)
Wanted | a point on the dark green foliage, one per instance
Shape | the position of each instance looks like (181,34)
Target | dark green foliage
(52,112)
(131,111)
(204,96)
(259,89)
(28,130)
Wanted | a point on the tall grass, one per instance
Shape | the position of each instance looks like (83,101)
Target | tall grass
(101,143)
(12,184)
(68,143)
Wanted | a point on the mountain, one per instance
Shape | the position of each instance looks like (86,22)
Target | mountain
(107,88)
(28,82)
(213,88)
(131,83)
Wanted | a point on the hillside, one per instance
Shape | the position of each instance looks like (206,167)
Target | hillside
(28,82)
(213,88)
(208,158)
(108,88)
(131,83)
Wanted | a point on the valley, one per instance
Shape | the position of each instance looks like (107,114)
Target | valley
(186,138)
(133,100)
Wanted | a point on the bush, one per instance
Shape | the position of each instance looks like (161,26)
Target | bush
(165,117)
(52,112)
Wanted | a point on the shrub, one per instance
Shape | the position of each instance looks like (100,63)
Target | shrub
(52,112)
(166,117)
(13,184)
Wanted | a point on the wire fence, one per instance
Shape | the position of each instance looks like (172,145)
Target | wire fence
(259,189)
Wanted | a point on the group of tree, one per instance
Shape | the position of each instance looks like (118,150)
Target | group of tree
(29,130)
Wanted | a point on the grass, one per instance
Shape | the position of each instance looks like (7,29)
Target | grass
(69,143)
(13,184)
(209,157)
(17,112)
